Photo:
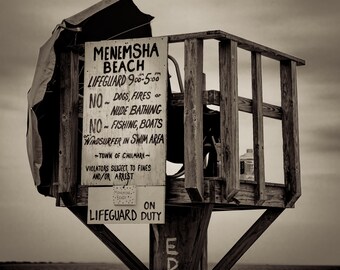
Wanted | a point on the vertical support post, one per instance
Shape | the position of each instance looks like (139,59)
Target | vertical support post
(180,242)
(69,92)
(229,117)
(290,131)
(193,119)
(258,140)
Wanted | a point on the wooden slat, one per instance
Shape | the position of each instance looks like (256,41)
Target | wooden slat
(242,43)
(290,131)
(268,110)
(258,141)
(212,97)
(229,117)
(176,194)
(110,240)
(69,83)
(249,238)
(193,119)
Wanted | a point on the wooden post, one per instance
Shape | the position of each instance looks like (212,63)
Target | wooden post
(258,140)
(229,117)
(193,119)
(180,242)
(290,131)
(69,92)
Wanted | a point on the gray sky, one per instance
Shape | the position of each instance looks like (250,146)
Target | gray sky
(33,229)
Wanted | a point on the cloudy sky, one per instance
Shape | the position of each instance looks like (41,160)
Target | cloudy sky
(33,229)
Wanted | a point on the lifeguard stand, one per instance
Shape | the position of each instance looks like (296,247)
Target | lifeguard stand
(181,242)
(56,125)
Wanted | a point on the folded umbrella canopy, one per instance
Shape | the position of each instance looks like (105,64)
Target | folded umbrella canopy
(108,19)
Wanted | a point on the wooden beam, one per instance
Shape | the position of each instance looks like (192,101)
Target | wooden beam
(229,117)
(258,140)
(110,240)
(213,97)
(242,43)
(180,242)
(199,245)
(193,119)
(248,239)
(290,131)
(68,133)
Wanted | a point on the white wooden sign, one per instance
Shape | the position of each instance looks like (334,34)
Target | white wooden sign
(148,208)
(124,117)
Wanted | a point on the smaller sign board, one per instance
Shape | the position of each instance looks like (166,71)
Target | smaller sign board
(103,207)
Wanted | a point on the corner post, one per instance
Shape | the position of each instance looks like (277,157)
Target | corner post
(258,138)
(180,243)
(290,129)
(229,117)
(193,119)
(68,129)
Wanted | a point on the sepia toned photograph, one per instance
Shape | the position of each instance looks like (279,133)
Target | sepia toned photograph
(169,135)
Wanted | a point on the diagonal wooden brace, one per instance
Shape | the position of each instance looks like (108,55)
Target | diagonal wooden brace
(110,240)
(249,238)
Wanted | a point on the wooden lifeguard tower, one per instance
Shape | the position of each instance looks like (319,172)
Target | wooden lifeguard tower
(180,243)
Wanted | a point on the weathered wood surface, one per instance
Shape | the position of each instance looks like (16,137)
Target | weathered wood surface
(212,97)
(229,117)
(68,138)
(290,131)
(241,42)
(258,140)
(213,193)
(180,242)
(193,118)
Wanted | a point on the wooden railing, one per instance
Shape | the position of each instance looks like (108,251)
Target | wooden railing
(226,188)
(230,104)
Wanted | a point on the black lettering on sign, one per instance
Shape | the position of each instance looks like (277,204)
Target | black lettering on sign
(119,110)
(105,155)
(137,155)
(151,123)
(101,176)
(144,168)
(124,176)
(124,124)
(97,168)
(106,81)
(112,215)
(139,138)
(151,216)
(93,140)
(121,96)
(123,66)
(141,95)
(119,168)
(96,125)
(155,139)
(145,109)
(134,51)
(96,100)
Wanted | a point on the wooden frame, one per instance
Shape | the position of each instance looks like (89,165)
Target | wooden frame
(204,194)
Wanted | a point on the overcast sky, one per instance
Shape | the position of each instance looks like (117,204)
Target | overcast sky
(33,229)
